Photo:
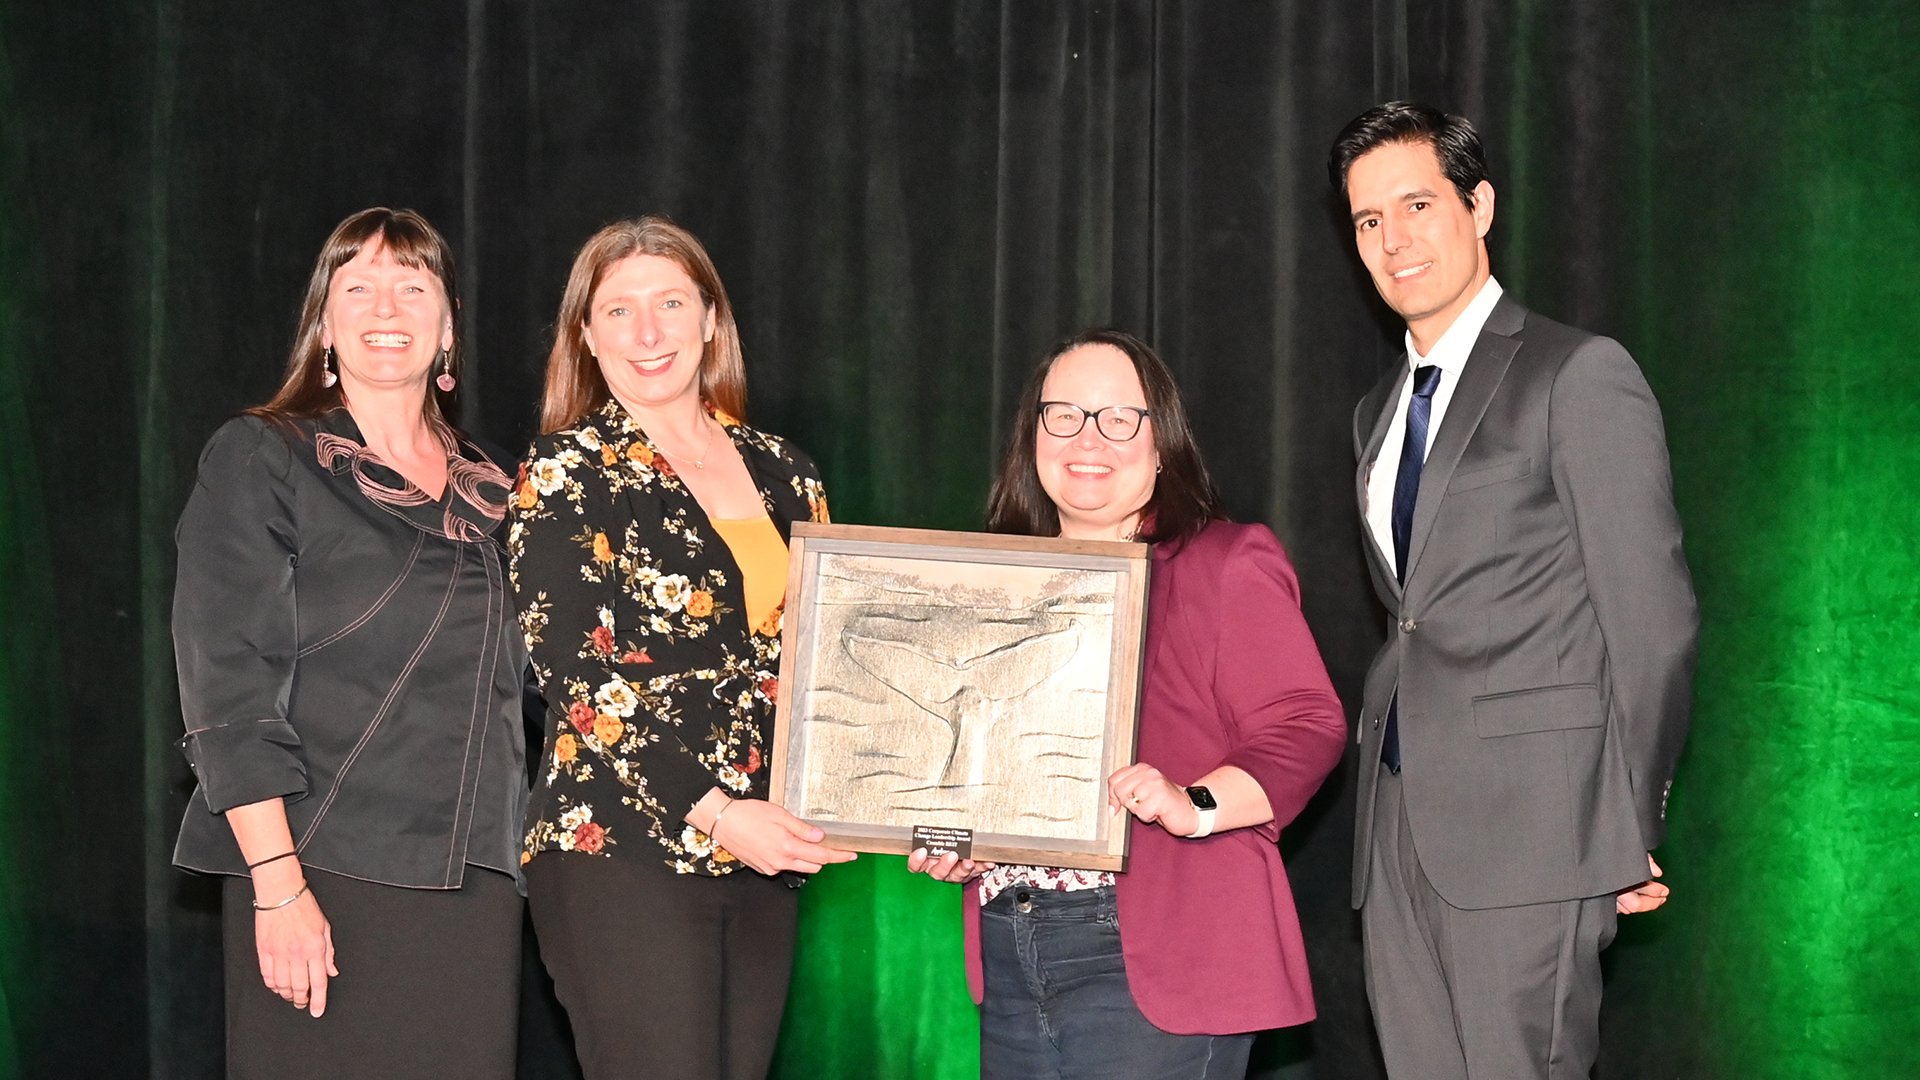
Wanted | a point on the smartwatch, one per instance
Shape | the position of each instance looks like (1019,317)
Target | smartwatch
(1202,800)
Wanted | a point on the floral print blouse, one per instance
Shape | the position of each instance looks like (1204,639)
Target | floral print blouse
(632,607)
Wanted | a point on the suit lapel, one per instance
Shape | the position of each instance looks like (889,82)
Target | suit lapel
(1379,405)
(1486,366)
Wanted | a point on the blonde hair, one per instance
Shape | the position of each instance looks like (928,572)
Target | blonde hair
(574,385)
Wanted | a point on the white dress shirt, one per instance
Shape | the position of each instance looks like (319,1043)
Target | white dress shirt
(1450,356)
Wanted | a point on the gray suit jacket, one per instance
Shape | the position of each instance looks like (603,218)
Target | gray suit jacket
(1543,647)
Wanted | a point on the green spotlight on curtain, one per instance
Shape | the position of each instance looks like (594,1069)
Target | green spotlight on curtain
(879,988)
(1787,240)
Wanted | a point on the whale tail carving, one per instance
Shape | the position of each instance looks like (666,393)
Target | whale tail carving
(964,692)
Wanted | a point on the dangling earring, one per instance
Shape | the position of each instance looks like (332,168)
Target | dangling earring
(446,381)
(327,377)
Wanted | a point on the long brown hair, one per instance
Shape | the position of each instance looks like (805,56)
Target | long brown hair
(412,242)
(1184,500)
(575,386)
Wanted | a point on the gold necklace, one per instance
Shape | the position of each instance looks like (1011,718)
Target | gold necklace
(699,462)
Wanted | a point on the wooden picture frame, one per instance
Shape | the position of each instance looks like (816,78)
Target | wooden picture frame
(960,681)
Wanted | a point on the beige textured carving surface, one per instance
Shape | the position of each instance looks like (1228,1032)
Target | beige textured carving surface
(965,695)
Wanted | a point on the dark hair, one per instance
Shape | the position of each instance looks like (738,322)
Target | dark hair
(575,386)
(412,242)
(1184,500)
(1453,139)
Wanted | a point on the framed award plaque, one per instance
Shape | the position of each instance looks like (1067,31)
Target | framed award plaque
(964,691)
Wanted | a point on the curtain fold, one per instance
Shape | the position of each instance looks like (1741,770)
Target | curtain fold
(26,641)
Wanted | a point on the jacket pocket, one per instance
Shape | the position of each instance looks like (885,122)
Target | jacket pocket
(1546,708)
(1485,475)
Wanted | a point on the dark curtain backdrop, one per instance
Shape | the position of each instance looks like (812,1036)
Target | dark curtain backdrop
(909,201)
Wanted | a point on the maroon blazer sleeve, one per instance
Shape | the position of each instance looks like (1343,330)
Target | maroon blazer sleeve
(1269,682)
(1234,679)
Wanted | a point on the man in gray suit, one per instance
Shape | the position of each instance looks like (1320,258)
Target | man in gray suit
(1521,724)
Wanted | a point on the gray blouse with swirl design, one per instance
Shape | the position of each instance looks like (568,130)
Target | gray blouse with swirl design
(345,641)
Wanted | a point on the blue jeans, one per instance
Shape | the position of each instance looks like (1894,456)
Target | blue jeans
(1057,1003)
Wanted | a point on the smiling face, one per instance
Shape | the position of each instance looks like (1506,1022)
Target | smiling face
(648,328)
(385,321)
(1425,249)
(1098,486)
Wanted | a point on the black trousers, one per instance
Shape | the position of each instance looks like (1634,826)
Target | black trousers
(1476,994)
(664,974)
(429,985)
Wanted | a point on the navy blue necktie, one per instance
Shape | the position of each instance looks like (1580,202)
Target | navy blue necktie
(1406,489)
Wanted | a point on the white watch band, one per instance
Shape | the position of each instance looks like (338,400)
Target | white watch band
(1206,823)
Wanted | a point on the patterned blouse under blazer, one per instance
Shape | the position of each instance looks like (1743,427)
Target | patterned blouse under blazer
(634,612)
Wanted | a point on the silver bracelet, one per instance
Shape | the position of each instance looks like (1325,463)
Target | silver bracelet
(713,827)
(304,886)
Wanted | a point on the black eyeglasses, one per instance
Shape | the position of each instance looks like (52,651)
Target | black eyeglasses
(1064,420)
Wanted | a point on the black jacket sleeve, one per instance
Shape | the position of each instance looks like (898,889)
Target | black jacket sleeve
(234,625)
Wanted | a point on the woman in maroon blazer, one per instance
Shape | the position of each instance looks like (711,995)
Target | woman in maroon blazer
(1166,970)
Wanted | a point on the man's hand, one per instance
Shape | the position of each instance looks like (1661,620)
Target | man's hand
(1646,896)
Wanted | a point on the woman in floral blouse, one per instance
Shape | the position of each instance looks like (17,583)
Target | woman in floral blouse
(649,560)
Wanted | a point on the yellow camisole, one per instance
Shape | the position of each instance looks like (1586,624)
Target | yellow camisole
(762,555)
